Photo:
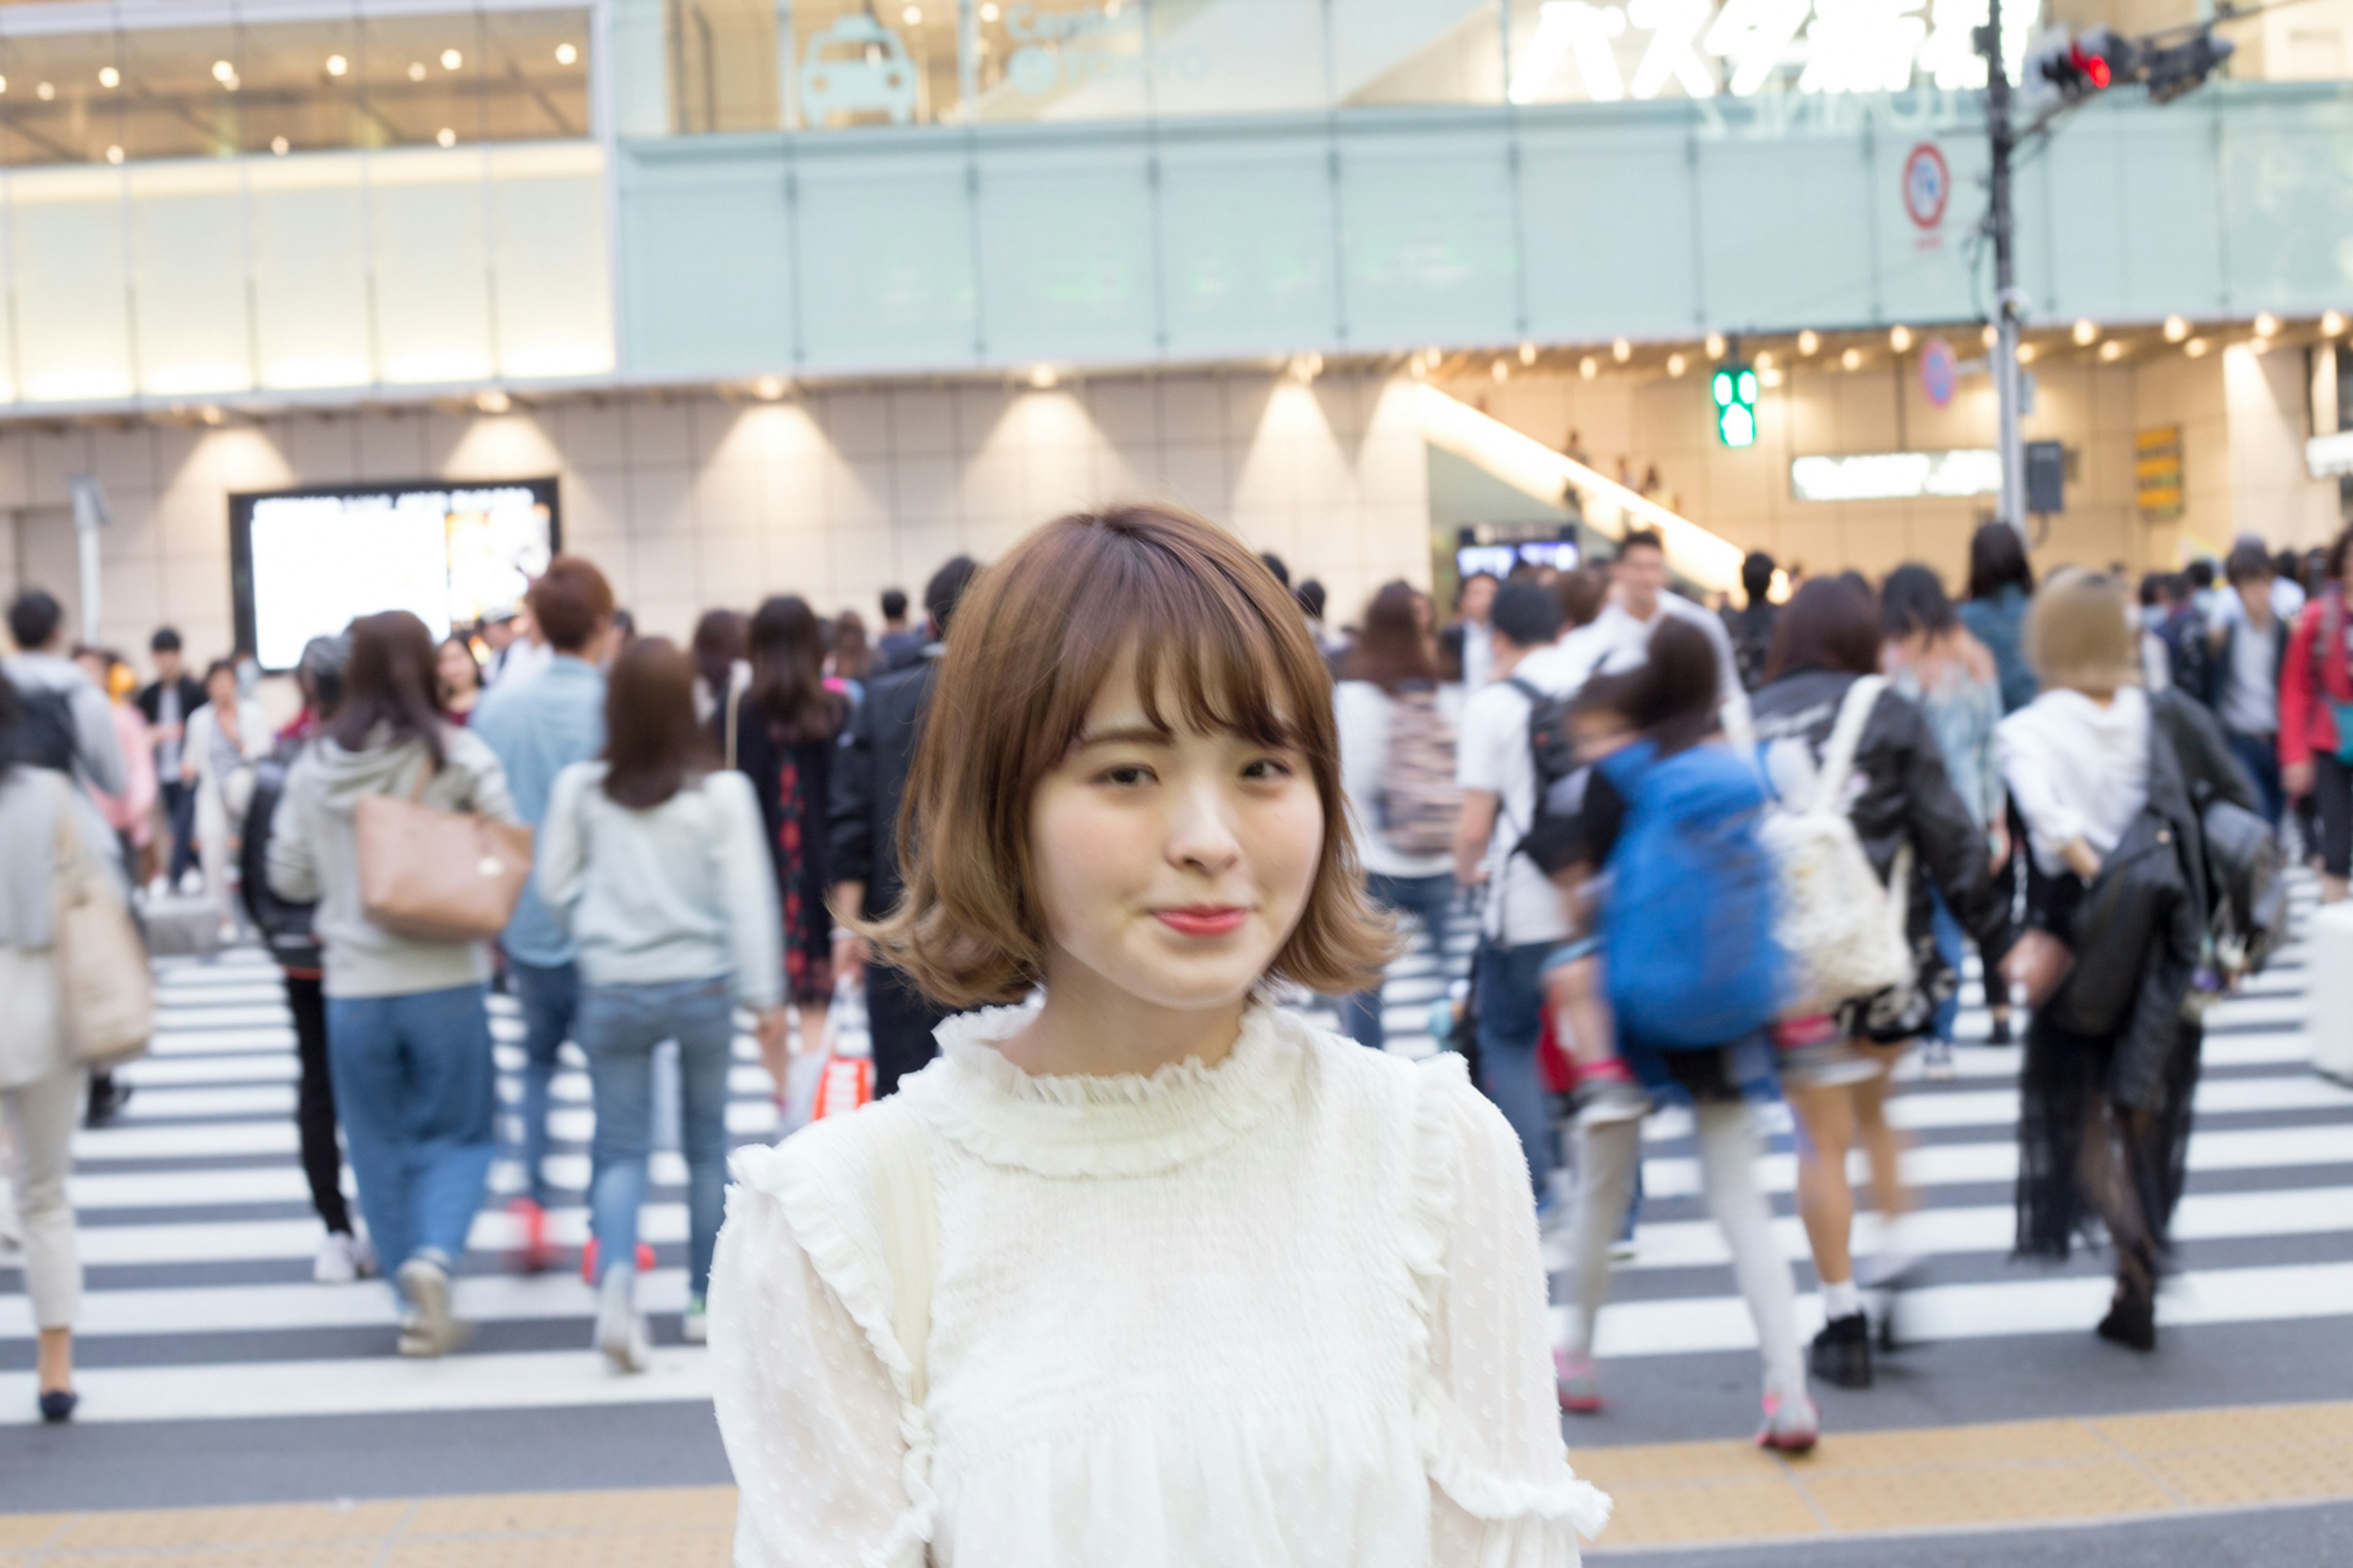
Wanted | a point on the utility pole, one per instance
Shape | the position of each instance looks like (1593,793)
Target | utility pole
(2007,388)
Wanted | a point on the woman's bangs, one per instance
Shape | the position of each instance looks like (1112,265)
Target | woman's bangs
(1206,661)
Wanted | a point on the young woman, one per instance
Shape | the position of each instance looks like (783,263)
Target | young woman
(226,737)
(408,1036)
(1829,637)
(460,675)
(651,860)
(848,658)
(1388,691)
(781,735)
(2002,582)
(2101,770)
(1671,702)
(2315,694)
(1931,659)
(40,1084)
(719,653)
(1211,1286)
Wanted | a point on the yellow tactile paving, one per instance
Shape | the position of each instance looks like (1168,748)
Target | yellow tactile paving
(1667,1494)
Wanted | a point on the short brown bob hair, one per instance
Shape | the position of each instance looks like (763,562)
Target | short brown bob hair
(1217,645)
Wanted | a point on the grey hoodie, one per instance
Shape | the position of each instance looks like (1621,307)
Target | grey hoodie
(312,857)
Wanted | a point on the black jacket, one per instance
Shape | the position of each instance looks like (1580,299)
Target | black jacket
(151,699)
(1905,798)
(870,780)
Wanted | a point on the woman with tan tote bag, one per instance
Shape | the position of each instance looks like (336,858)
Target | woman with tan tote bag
(404,957)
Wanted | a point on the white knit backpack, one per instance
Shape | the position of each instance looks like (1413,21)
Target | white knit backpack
(1843,931)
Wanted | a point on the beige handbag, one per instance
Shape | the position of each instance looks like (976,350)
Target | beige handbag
(106,997)
(434,874)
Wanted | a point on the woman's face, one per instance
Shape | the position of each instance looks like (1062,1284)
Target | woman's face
(458,674)
(220,688)
(1174,868)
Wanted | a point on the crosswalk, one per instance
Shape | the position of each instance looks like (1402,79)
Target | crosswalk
(197,1236)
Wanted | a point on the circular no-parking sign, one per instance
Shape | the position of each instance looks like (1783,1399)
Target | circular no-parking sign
(1927,185)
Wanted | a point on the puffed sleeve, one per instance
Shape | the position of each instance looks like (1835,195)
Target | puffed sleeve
(812,1419)
(1503,1493)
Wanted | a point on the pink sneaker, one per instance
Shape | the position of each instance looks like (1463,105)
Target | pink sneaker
(1793,1426)
(534,1254)
(588,1260)
(1580,1386)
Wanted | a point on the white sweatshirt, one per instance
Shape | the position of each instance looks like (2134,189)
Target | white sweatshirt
(2077,770)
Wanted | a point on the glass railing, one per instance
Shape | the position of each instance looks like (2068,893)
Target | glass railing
(141,90)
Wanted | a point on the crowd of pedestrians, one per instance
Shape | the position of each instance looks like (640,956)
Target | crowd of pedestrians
(1711,861)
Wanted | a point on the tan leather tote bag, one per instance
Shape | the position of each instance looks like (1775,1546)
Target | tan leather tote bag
(106,997)
(434,874)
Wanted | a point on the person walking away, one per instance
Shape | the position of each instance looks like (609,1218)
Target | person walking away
(132,815)
(2001,582)
(1619,638)
(2249,652)
(1694,977)
(461,675)
(536,727)
(1525,918)
(783,735)
(1933,662)
(165,703)
(287,930)
(1398,768)
(651,858)
(848,660)
(900,644)
(2106,778)
(1464,649)
(408,1033)
(1750,627)
(1129,798)
(226,737)
(63,722)
(2316,744)
(870,780)
(40,1083)
(721,664)
(1908,820)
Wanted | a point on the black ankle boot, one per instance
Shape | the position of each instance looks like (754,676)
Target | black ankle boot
(58,1405)
(1841,1352)
(2132,1318)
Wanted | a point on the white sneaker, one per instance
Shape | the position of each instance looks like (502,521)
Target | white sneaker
(694,1328)
(363,1257)
(620,1327)
(429,1330)
(338,1261)
(1936,1062)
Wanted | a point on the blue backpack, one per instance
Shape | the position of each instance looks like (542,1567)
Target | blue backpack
(1688,933)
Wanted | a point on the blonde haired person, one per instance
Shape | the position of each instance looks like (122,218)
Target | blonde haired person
(1212,1285)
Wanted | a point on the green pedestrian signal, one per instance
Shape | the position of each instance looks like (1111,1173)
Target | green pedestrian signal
(1734,388)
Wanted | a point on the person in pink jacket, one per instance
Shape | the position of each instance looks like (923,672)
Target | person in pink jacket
(2315,698)
(132,814)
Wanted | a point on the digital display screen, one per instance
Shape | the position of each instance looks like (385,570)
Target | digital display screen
(306,562)
(1499,560)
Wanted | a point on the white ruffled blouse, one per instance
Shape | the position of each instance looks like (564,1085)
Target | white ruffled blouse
(1284,1310)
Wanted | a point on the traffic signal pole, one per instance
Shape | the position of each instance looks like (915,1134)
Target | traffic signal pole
(2007,387)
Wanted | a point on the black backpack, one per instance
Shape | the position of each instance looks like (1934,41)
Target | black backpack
(284,925)
(43,734)
(1554,749)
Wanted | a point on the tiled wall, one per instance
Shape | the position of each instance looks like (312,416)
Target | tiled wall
(692,501)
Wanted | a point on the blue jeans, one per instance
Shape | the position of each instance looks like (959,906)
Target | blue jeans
(180,813)
(620,1028)
(1946,927)
(2259,755)
(1511,1022)
(549,997)
(1426,898)
(414,1089)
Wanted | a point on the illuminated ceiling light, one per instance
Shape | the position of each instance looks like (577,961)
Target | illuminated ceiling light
(2026,353)
(1764,361)
(1500,370)
(2266,325)
(768,388)
(1044,377)
(2175,328)
(211,415)
(452,59)
(1852,359)
(4,84)
(1675,363)
(1809,341)
(338,66)
(223,72)
(1991,336)
(2112,351)
(1527,353)
(1621,351)
(2332,323)
(447,137)
(2195,348)
(1588,367)
(1715,346)
(989,13)
(2087,333)
(1306,368)
(279,145)
(565,54)
(109,76)
(1899,338)
(493,401)
(912,15)
(416,70)
(45,92)
(1767,376)
(114,154)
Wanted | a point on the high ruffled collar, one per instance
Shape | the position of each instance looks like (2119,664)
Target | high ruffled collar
(1128,1125)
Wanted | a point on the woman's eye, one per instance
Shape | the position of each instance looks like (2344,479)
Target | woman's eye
(1126,775)
(1266,769)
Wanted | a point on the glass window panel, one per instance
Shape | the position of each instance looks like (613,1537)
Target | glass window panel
(421,81)
(722,65)
(1063,59)
(72,306)
(300,89)
(535,79)
(432,266)
(55,107)
(187,276)
(555,315)
(1418,51)
(890,62)
(309,271)
(1229,56)
(183,93)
